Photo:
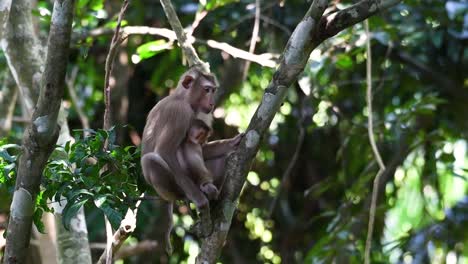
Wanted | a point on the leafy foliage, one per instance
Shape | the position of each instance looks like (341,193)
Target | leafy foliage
(83,173)
(419,58)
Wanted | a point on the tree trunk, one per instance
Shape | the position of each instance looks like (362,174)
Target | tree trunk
(42,134)
(25,60)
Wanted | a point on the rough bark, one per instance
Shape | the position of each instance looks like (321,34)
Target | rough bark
(8,96)
(26,61)
(309,33)
(46,242)
(5,6)
(22,51)
(72,246)
(42,134)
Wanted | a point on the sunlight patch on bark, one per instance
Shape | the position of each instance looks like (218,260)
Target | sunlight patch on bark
(22,204)
(252,139)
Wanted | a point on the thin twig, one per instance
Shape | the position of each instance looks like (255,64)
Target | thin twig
(133,250)
(277,24)
(246,17)
(199,16)
(186,46)
(287,173)
(70,82)
(265,59)
(115,43)
(375,188)
(253,40)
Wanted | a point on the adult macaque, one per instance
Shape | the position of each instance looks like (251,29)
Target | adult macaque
(166,128)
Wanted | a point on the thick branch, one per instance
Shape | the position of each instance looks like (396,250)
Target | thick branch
(41,135)
(309,33)
(334,23)
(292,64)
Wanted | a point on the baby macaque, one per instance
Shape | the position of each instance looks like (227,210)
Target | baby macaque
(190,155)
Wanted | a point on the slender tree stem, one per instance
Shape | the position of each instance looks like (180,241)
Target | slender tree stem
(375,150)
(253,40)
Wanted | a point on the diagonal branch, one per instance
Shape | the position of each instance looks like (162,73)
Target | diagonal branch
(335,22)
(186,46)
(294,59)
(309,33)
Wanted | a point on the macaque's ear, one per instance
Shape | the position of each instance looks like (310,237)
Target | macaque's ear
(187,82)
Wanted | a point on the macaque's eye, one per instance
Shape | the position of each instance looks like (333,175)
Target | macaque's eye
(207,89)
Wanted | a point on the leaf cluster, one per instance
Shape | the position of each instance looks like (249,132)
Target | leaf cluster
(81,173)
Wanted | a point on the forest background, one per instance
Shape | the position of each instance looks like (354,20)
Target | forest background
(307,195)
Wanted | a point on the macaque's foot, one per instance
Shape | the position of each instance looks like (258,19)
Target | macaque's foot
(168,248)
(201,229)
(209,190)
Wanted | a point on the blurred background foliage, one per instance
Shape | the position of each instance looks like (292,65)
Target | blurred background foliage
(317,211)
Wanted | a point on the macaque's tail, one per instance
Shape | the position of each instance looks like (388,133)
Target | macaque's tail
(166,209)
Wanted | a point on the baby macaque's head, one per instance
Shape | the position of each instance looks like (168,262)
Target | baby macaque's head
(200,130)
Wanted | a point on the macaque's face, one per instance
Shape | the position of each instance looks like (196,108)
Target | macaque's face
(198,135)
(201,93)
(206,91)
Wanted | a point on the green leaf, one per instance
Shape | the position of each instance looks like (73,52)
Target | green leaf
(114,216)
(37,218)
(344,62)
(152,48)
(96,5)
(70,210)
(79,194)
(8,168)
(100,200)
(212,4)
(5,155)
(447,158)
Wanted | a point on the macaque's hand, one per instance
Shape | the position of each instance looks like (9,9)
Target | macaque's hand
(210,190)
(235,141)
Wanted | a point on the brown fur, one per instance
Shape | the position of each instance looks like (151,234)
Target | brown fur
(165,132)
